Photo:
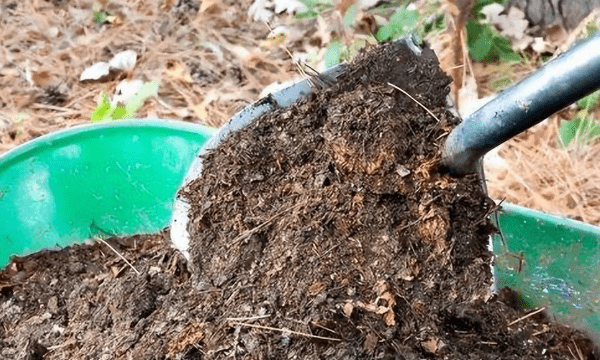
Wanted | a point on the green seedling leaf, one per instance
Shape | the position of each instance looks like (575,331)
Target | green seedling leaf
(579,131)
(310,14)
(403,22)
(355,47)
(100,17)
(479,41)
(333,53)
(148,90)
(591,28)
(435,24)
(487,45)
(315,7)
(310,4)
(119,113)
(98,14)
(349,18)
(589,102)
(102,110)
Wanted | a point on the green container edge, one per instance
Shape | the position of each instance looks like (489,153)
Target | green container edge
(551,261)
(64,188)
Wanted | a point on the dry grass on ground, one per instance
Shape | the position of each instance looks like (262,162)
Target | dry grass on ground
(537,173)
(207,59)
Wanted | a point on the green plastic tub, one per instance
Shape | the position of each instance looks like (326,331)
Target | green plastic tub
(115,178)
(121,178)
(551,261)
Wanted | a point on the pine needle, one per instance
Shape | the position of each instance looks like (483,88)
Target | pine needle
(415,100)
(285,331)
(528,315)
(119,255)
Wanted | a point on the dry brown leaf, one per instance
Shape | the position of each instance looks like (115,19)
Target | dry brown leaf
(348,308)
(371,341)
(192,334)
(380,287)
(316,288)
(367,23)
(406,275)
(167,4)
(431,345)
(343,5)
(556,35)
(390,298)
(389,318)
(178,72)
(41,78)
(200,111)
(210,6)
(379,310)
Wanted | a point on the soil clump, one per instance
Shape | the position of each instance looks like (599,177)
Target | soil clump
(330,218)
(319,231)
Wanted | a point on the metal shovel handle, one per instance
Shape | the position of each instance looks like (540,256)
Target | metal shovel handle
(562,81)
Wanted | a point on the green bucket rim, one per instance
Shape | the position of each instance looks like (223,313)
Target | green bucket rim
(50,139)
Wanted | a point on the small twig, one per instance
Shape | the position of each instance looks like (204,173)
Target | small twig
(61,110)
(79,99)
(121,256)
(323,327)
(571,351)
(410,224)
(488,343)
(52,107)
(160,102)
(248,318)
(56,347)
(490,211)
(256,229)
(528,315)
(579,353)
(540,332)
(456,67)
(415,100)
(296,63)
(286,331)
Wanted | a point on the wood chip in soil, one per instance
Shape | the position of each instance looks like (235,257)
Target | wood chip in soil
(320,231)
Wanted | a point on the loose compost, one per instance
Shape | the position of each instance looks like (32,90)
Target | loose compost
(320,231)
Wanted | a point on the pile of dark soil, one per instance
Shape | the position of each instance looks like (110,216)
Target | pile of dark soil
(330,219)
(321,231)
(84,302)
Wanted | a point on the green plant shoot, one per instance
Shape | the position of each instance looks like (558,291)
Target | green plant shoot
(104,111)
(589,102)
(487,45)
(583,129)
(579,131)
(404,21)
(484,42)
(98,14)
(314,8)
(333,54)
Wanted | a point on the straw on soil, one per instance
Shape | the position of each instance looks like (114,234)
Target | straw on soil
(207,59)
(537,173)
